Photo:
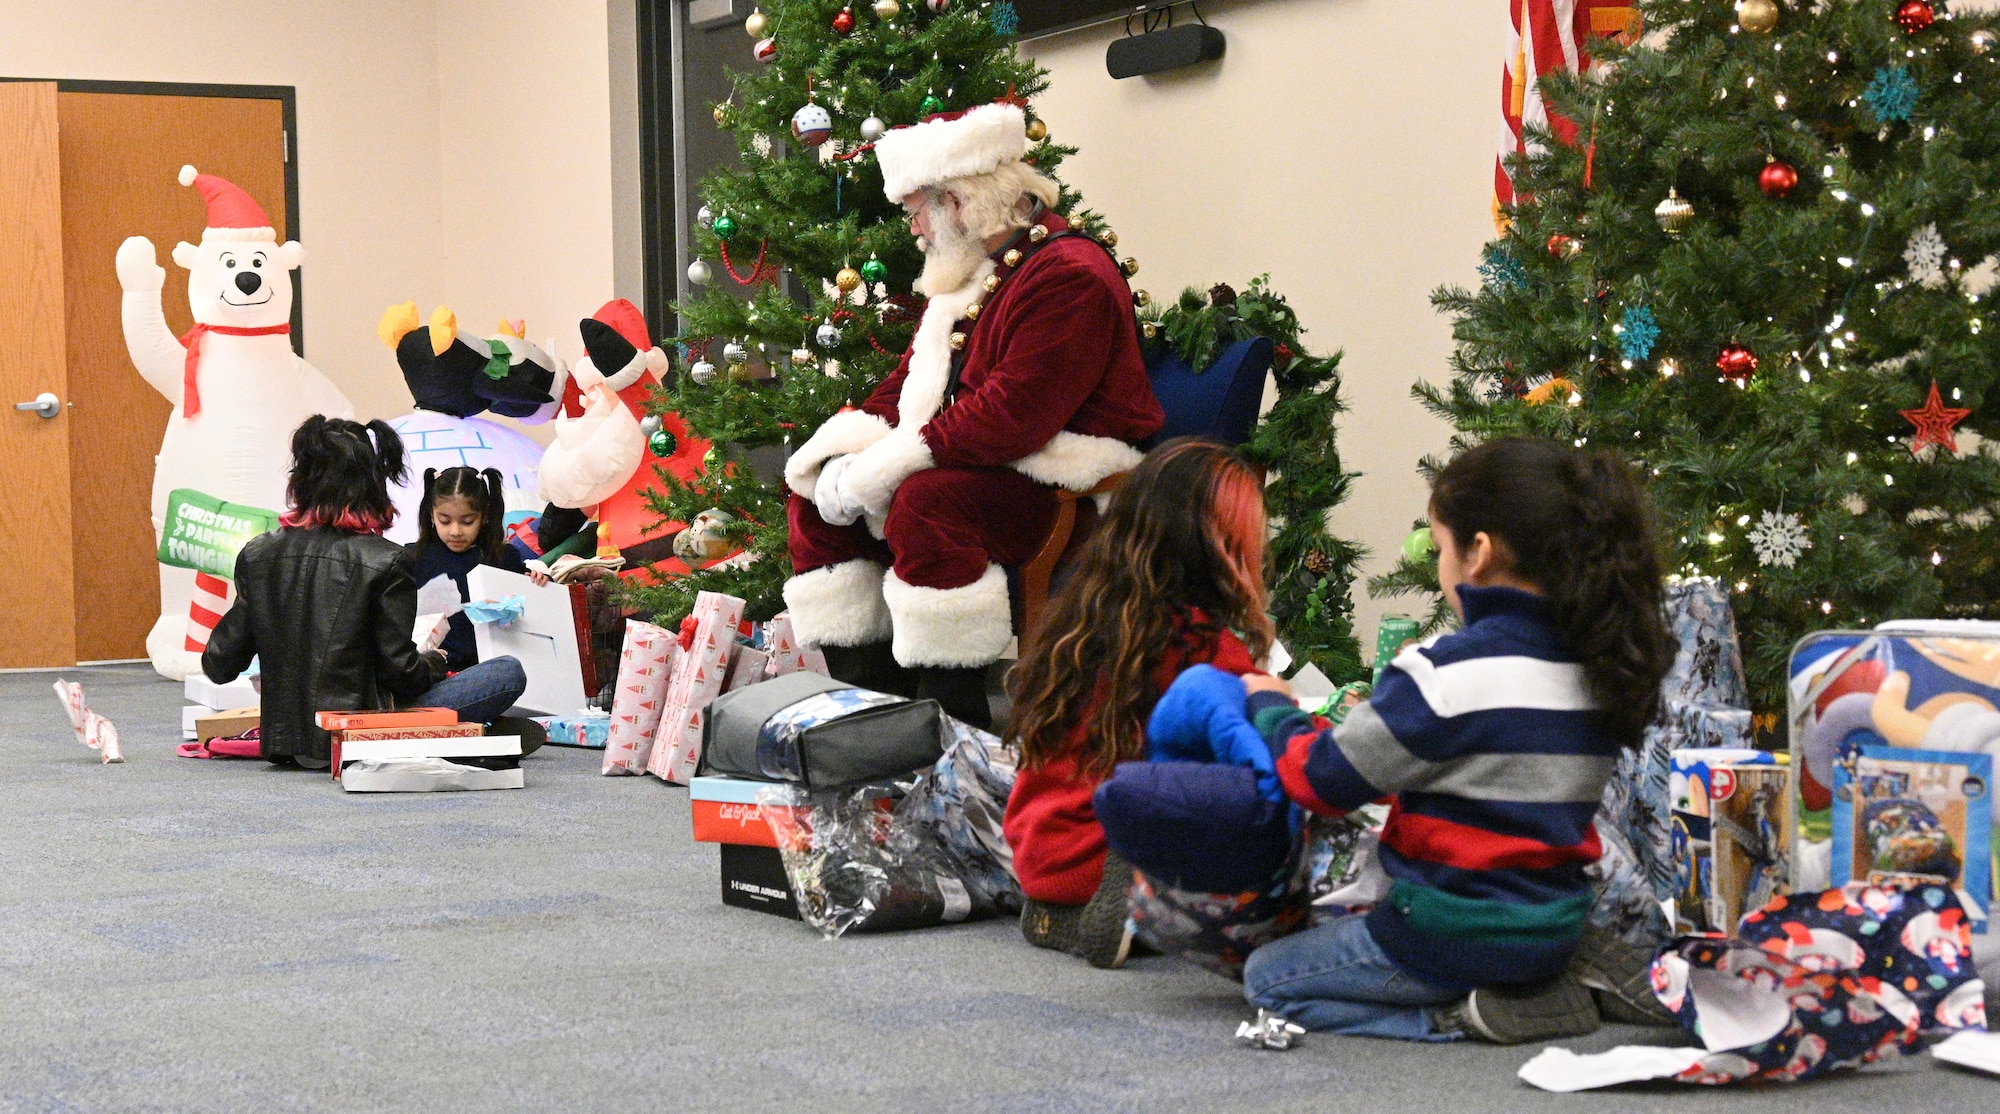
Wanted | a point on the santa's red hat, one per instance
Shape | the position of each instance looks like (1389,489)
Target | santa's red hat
(951,145)
(619,346)
(232,214)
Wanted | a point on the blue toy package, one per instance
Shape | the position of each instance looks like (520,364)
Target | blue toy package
(1925,813)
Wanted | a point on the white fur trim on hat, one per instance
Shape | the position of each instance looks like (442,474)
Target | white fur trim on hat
(950,626)
(978,142)
(839,605)
(652,359)
(1078,461)
(849,431)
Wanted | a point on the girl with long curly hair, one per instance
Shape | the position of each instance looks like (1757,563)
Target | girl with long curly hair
(1173,577)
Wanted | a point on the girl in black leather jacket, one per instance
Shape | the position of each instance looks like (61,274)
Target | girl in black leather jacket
(329,605)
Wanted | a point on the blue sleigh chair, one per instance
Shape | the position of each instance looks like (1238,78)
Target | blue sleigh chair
(1219,402)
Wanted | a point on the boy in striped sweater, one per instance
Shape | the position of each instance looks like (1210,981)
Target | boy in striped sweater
(1493,745)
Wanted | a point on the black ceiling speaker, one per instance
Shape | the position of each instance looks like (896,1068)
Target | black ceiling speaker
(1166,49)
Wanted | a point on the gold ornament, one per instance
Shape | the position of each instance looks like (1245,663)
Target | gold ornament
(1037,131)
(1109,239)
(848,280)
(1130,266)
(757,24)
(1759,17)
(1037,233)
(1012,258)
(957,341)
(887,9)
(1674,213)
(972,311)
(722,115)
(1141,299)
(991,284)
(1150,330)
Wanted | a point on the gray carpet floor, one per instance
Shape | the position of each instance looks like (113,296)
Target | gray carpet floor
(224,936)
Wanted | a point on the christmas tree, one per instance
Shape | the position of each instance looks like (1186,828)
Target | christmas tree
(802,224)
(1762,274)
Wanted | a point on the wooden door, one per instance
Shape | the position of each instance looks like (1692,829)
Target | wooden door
(37,596)
(121,153)
(83,165)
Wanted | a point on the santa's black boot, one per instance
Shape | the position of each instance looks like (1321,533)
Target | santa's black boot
(870,666)
(959,690)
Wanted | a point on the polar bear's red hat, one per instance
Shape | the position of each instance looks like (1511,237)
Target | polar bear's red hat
(951,145)
(232,213)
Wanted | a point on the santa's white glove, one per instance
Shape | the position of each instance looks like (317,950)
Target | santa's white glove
(836,507)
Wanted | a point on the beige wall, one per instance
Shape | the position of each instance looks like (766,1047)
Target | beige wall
(449,151)
(1344,146)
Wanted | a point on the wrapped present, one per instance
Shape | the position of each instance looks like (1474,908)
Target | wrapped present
(1709,667)
(747,667)
(591,731)
(644,669)
(787,656)
(708,639)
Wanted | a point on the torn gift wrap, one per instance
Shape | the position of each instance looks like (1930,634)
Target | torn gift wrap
(1811,984)
(644,666)
(92,730)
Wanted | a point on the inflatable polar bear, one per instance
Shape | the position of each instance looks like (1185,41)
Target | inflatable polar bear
(237,388)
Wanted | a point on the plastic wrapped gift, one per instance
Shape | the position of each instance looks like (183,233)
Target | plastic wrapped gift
(787,656)
(644,667)
(708,639)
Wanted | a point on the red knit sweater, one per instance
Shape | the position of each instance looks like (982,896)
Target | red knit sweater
(1057,841)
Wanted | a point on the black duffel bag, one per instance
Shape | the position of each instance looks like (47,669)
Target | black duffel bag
(813,730)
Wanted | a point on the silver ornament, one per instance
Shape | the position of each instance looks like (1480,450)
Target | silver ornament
(649,425)
(705,217)
(827,335)
(735,353)
(700,273)
(702,372)
(872,129)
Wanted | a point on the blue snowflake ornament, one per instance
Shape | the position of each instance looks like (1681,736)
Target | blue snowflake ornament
(1005,20)
(1637,333)
(1499,268)
(1892,95)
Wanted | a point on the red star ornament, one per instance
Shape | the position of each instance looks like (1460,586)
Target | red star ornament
(1934,421)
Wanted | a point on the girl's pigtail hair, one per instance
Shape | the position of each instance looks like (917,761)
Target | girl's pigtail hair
(492,528)
(1611,600)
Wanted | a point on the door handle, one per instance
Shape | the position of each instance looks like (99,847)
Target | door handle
(45,404)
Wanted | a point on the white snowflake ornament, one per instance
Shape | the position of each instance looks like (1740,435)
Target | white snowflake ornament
(1779,539)
(1925,255)
(761,143)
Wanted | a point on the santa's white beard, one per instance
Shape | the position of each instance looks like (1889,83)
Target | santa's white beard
(950,258)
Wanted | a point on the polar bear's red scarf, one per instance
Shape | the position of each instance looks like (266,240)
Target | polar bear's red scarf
(190,396)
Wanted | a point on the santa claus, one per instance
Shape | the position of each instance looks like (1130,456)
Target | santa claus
(1024,376)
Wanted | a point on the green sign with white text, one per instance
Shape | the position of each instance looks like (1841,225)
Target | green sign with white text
(204,533)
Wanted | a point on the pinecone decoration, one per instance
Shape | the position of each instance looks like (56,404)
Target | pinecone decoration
(1318,563)
(1221,294)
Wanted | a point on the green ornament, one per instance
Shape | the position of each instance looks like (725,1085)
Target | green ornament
(932,106)
(1419,546)
(724,226)
(662,443)
(874,270)
(712,459)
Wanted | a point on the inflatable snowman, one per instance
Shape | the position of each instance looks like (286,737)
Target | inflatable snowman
(237,388)
(453,378)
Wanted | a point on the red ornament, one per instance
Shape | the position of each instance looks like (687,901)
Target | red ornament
(1914,15)
(843,20)
(1778,179)
(1736,363)
(1934,421)
(1283,354)
(765,51)
(1562,246)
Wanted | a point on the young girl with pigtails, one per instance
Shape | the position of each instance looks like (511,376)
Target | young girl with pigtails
(329,606)
(459,529)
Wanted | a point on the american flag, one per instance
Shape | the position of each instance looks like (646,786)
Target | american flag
(1547,35)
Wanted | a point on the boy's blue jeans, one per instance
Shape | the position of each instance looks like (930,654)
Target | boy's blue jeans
(1334,979)
(481,693)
